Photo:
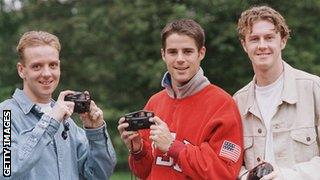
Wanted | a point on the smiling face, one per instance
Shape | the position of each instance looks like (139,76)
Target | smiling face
(40,72)
(182,58)
(263,46)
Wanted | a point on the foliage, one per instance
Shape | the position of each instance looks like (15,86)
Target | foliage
(112,47)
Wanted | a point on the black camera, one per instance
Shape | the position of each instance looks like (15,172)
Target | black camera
(138,120)
(259,171)
(81,101)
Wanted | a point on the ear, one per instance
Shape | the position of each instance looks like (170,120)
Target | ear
(243,43)
(163,54)
(20,69)
(202,52)
(283,43)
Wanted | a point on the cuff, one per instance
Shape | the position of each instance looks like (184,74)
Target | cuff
(97,133)
(140,154)
(50,124)
(175,149)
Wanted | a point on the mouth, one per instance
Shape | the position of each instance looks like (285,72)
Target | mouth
(181,68)
(263,54)
(46,83)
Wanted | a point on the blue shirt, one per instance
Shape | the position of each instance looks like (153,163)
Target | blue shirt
(39,152)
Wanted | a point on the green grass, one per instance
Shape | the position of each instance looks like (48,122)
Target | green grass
(121,175)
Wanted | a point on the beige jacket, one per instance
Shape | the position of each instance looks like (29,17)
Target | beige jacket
(296,144)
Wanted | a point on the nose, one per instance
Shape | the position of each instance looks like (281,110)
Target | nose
(262,44)
(180,57)
(46,72)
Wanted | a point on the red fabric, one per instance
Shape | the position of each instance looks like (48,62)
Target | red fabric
(202,122)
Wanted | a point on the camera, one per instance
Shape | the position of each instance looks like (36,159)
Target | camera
(259,171)
(138,120)
(81,101)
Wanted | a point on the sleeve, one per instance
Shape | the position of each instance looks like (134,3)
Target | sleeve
(96,155)
(141,163)
(27,146)
(220,155)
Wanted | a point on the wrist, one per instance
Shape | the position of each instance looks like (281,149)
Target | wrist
(138,150)
(94,125)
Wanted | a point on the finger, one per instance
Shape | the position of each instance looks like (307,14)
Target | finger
(69,104)
(64,93)
(95,115)
(121,120)
(270,176)
(122,126)
(153,137)
(93,105)
(127,134)
(86,92)
(155,132)
(157,121)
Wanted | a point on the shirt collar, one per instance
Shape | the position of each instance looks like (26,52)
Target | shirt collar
(24,101)
(196,83)
(289,93)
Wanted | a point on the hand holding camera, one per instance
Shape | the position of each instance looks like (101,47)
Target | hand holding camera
(259,171)
(62,109)
(81,101)
(138,120)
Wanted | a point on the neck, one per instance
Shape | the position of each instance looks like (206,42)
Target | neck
(40,99)
(264,78)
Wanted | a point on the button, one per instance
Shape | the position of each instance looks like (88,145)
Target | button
(258,159)
(43,124)
(308,139)
(259,130)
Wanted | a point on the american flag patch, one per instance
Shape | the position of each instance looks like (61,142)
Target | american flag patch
(230,150)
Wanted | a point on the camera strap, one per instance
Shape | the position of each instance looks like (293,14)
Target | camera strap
(36,111)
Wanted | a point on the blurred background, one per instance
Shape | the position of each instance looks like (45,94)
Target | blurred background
(112,47)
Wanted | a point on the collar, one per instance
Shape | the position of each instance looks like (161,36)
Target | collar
(196,83)
(24,101)
(289,93)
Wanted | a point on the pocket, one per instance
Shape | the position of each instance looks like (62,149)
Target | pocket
(247,142)
(304,143)
(248,152)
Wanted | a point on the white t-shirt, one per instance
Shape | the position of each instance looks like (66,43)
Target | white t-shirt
(268,99)
(45,108)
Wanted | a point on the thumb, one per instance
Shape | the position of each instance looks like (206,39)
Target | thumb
(157,121)
(270,176)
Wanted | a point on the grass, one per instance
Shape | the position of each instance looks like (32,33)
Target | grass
(121,175)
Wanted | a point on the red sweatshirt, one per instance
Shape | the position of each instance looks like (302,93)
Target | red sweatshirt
(208,133)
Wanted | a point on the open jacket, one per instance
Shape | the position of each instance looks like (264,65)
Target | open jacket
(294,126)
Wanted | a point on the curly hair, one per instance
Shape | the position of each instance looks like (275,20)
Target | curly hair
(256,13)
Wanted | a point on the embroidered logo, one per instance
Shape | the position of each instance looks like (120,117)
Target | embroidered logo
(230,150)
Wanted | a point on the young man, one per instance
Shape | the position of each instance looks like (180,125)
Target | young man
(197,132)
(280,107)
(38,149)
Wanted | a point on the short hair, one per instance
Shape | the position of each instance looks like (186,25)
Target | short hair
(185,27)
(36,38)
(256,13)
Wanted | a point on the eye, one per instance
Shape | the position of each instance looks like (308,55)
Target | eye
(269,38)
(36,67)
(254,39)
(54,65)
(172,52)
(188,51)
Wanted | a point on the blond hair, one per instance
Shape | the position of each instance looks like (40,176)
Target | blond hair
(253,14)
(36,38)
